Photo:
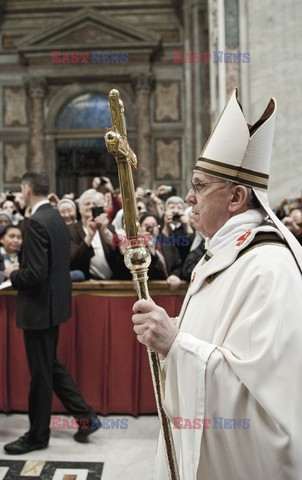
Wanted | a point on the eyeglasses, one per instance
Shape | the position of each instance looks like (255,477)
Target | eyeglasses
(151,227)
(199,187)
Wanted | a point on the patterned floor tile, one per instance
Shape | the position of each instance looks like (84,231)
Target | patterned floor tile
(46,470)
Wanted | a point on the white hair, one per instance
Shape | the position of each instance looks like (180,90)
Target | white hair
(174,199)
(251,201)
(91,193)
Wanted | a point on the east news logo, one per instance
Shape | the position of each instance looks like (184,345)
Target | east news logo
(89,57)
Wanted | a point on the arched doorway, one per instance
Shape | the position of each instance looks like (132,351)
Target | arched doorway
(80,147)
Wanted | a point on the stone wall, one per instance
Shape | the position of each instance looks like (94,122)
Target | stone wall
(274,38)
(166,102)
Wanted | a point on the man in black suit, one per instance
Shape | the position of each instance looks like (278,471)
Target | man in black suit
(43,303)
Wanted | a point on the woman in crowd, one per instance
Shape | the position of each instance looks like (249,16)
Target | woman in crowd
(110,199)
(68,210)
(92,247)
(165,259)
(10,246)
(197,249)
(5,219)
(9,207)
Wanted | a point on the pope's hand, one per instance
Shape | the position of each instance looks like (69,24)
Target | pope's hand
(153,327)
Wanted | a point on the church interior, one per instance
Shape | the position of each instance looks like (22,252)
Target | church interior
(175,64)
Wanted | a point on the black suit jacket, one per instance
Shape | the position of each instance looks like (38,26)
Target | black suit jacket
(173,264)
(43,281)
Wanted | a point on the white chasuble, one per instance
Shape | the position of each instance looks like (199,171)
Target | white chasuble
(233,374)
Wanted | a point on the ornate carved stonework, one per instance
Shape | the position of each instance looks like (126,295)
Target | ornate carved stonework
(15,161)
(144,82)
(15,111)
(167,159)
(167,106)
(37,87)
(90,35)
(168,36)
(52,91)
(8,41)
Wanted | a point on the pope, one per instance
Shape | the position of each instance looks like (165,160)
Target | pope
(234,351)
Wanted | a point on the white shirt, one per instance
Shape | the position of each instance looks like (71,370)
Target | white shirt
(98,266)
(39,204)
(8,258)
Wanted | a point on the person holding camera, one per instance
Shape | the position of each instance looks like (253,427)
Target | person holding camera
(9,205)
(176,223)
(112,204)
(165,259)
(92,249)
(147,200)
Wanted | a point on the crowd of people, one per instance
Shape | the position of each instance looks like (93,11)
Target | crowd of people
(98,237)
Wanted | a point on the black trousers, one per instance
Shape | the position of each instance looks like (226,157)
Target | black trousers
(48,376)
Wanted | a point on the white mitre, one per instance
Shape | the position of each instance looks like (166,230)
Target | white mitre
(241,153)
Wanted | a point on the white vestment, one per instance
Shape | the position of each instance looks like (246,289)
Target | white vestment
(237,362)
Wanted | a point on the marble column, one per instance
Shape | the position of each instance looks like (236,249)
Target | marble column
(232,45)
(188,94)
(218,90)
(143,86)
(37,89)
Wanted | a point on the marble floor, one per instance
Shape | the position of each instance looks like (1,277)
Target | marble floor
(127,453)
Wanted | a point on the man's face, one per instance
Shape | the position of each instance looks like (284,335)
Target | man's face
(209,205)
(175,207)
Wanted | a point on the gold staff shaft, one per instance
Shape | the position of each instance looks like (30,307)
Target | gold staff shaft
(137,256)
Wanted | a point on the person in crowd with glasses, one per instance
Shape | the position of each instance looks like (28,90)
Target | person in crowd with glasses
(92,247)
(176,223)
(197,250)
(231,362)
(165,259)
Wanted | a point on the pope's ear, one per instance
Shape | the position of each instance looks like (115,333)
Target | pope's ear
(238,199)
